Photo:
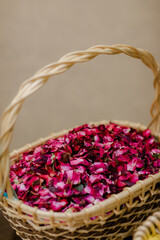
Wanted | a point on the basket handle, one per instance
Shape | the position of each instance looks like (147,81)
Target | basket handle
(148,228)
(32,84)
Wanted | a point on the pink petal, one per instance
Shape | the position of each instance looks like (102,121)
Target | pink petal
(120,183)
(155,151)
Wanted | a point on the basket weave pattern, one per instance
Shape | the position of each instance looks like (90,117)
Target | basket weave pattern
(114,218)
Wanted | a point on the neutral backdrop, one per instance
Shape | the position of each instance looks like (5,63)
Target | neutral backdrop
(34,33)
(37,32)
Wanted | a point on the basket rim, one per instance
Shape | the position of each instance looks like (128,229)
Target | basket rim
(115,200)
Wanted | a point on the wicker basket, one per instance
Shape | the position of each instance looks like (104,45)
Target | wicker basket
(115,217)
(150,229)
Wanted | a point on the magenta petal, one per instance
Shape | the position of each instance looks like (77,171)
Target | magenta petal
(156,163)
(140,163)
(33,179)
(126,130)
(23,187)
(134,178)
(81,169)
(65,167)
(131,166)
(89,198)
(133,151)
(38,150)
(101,152)
(120,152)
(56,206)
(36,188)
(79,161)
(89,190)
(120,169)
(60,185)
(120,183)
(96,138)
(155,151)
(123,158)
(44,192)
(75,177)
(135,163)
(147,133)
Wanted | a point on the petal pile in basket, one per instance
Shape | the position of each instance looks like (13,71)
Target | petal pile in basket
(84,166)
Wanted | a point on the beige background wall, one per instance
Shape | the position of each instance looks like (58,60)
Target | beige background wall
(37,32)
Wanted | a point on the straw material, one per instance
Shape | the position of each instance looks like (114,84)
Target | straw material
(115,217)
(150,229)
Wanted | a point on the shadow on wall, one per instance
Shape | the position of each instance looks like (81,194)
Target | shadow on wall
(6,232)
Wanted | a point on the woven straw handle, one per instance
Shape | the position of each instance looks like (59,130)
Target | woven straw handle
(151,227)
(41,77)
